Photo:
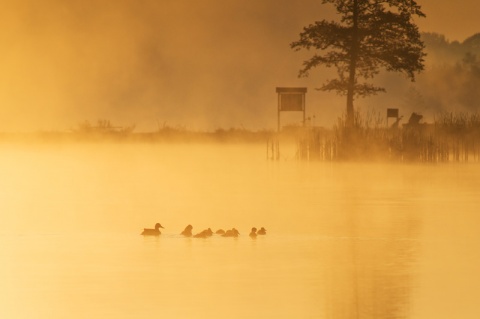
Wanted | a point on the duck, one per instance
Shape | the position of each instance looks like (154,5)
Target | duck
(231,233)
(152,232)
(204,234)
(262,231)
(220,232)
(253,233)
(187,232)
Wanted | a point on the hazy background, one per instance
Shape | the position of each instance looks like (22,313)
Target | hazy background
(199,65)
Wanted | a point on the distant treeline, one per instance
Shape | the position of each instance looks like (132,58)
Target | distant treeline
(104,131)
(451,78)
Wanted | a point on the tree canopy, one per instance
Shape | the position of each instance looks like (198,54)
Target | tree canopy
(371,35)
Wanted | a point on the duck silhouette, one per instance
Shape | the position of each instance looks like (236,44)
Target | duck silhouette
(220,232)
(204,234)
(231,233)
(152,232)
(253,233)
(262,231)
(187,232)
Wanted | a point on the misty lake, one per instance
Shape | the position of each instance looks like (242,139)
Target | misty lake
(344,240)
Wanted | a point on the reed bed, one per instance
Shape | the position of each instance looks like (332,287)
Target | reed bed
(453,137)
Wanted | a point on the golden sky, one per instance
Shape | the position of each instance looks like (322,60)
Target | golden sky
(203,64)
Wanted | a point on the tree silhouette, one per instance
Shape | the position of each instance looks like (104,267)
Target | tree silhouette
(371,35)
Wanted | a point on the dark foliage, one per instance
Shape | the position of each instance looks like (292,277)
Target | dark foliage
(370,36)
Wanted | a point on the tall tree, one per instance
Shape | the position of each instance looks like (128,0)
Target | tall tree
(371,35)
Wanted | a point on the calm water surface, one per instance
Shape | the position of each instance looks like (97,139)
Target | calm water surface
(344,240)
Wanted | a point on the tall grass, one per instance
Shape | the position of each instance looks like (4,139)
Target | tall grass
(452,137)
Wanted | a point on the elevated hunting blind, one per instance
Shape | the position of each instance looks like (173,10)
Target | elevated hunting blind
(291,99)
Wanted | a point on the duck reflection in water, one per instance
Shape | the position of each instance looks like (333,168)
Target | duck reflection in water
(152,232)
(187,232)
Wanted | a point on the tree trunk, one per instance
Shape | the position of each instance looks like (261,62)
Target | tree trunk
(353,66)
(350,112)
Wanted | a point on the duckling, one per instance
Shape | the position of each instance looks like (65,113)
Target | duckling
(220,232)
(231,233)
(209,232)
(152,232)
(187,232)
(200,235)
(204,234)
(253,233)
(262,231)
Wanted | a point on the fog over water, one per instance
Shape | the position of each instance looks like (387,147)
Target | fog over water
(343,239)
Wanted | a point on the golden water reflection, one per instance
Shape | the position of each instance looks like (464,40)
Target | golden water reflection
(371,272)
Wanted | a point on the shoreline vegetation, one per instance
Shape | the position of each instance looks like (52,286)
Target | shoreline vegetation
(452,137)
(104,132)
